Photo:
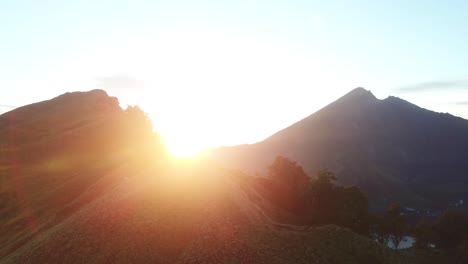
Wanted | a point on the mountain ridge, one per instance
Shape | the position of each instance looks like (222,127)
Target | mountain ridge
(372,143)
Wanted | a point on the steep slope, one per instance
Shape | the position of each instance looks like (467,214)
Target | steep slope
(53,151)
(395,151)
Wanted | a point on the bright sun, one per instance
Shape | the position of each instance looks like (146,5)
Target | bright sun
(181,149)
(209,87)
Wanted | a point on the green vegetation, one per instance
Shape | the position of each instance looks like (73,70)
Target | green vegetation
(391,226)
(316,201)
(319,201)
(449,231)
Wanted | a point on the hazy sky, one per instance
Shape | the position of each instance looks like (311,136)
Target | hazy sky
(227,72)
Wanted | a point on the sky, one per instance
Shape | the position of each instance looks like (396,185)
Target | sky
(213,73)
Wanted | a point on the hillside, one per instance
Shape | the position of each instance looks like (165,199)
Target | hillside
(53,151)
(83,181)
(395,151)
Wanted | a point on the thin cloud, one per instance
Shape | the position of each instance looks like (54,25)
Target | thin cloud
(462,103)
(435,86)
(8,106)
(120,82)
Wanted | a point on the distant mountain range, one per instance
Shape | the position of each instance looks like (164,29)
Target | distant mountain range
(393,150)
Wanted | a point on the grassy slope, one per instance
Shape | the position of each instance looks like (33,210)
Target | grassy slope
(202,222)
(175,218)
(50,153)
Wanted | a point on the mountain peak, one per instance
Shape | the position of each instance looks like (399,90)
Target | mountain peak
(356,98)
(397,102)
(80,103)
(360,92)
(96,93)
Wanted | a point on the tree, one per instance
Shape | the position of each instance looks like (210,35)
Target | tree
(138,120)
(450,229)
(353,211)
(378,230)
(321,188)
(316,201)
(288,173)
(328,203)
(289,184)
(391,226)
(423,234)
(321,199)
(396,223)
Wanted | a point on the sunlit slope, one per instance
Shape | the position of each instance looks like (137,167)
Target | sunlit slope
(215,218)
(53,151)
(391,149)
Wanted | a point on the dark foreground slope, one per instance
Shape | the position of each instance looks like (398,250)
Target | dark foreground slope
(109,199)
(395,151)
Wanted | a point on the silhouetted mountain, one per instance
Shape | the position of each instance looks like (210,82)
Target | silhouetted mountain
(394,150)
(53,152)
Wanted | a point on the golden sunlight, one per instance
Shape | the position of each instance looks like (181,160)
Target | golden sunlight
(182,149)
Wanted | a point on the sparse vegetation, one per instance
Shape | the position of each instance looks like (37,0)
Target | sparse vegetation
(449,231)
(390,227)
(316,201)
